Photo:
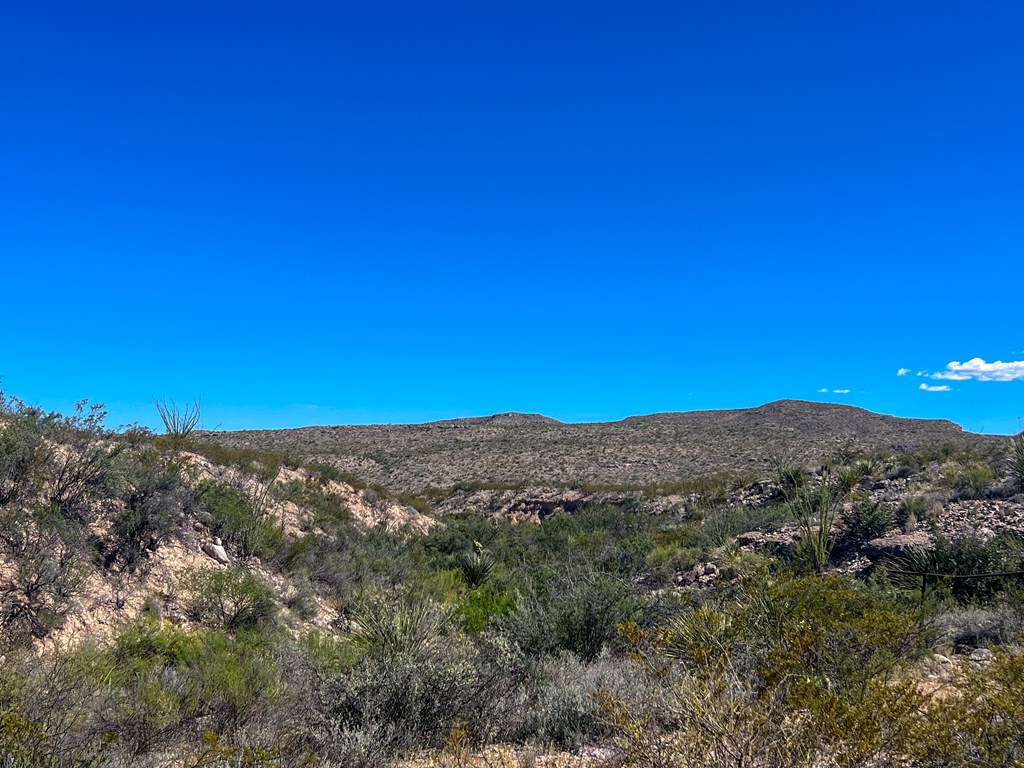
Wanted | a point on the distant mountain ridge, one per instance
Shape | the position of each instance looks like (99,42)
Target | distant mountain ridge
(515,448)
(796,414)
(510,417)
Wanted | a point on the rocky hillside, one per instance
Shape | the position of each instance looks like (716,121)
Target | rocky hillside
(529,450)
(168,601)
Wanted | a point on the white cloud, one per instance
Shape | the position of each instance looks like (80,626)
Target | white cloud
(922,373)
(940,388)
(979,370)
(826,390)
(902,371)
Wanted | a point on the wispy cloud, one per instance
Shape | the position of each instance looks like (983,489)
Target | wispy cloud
(936,388)
(902,371)
(826,391)
(979,370)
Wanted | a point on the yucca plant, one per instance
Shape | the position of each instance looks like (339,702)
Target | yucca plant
(847,480)
(475,568)
(866,467)
(816,512)
(702,637)
(1015,459)
(388,627)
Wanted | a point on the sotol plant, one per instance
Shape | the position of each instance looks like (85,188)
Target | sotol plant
(1015,458)
(816,512)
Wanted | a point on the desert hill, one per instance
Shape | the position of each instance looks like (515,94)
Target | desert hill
(173,600)
(520,449)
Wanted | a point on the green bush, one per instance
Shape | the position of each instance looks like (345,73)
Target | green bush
(949,560)
(328,510)
(867,520)
(913,510)
(21,446)
(232,599)
(412,695)
(326,472)
(971,479)
(171,679)
(252,461)
(150,642)
(156,500)
(81,461)
(479,608)
(237,520)
(723,525)
(667,559)
(41,583)
(577,612)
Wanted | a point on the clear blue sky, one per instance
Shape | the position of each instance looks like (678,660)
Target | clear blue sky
(347,212)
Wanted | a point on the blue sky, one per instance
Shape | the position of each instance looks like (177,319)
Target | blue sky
(375,212)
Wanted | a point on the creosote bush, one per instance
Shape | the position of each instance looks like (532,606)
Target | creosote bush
(786,671)
(155,501)
(80,463)
(913,510)
(231,599)
(40,585)
(21,448)
(970,479)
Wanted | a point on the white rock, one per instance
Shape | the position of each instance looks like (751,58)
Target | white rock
(216,551)
(980,656)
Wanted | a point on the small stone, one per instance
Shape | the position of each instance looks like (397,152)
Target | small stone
(981,656)
(597,753)
(895,545)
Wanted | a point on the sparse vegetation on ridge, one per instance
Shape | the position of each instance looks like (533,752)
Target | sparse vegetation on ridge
(650,451)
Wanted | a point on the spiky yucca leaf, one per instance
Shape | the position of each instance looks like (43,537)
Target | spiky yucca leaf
(387,626)
(1015,458)
(475,568)
(701,637)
